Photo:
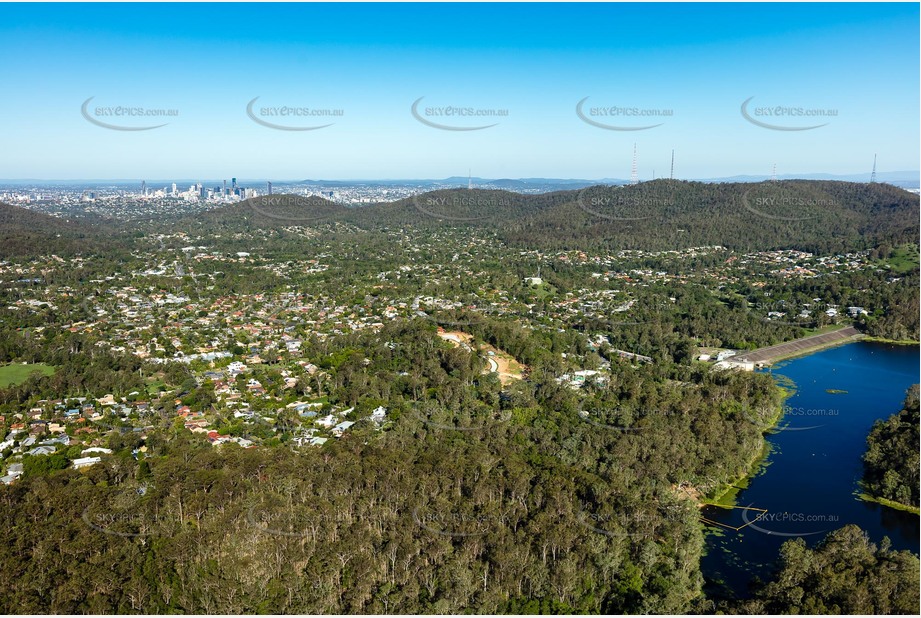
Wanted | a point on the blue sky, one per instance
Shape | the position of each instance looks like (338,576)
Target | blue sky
(700,62)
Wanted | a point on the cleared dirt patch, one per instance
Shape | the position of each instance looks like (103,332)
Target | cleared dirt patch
(498,360)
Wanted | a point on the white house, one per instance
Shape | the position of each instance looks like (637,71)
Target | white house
(378,415)
(326,421)
(84,462)
(12,473)
(339,429)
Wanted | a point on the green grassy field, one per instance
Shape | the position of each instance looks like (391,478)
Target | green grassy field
(543,290)
(15,374)
(904,260)
(154,386)
(828,328)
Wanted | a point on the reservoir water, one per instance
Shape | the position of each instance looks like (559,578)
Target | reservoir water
(808,484)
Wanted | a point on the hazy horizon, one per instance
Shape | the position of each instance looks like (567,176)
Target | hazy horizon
(881,176)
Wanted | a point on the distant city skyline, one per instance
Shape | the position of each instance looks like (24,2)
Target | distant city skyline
(345,93)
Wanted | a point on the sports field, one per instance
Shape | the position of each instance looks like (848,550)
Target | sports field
(11,375)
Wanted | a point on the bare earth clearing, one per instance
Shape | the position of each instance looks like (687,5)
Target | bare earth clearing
(499,361)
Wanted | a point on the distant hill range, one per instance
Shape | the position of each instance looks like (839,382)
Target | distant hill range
(812,215)
(904,179)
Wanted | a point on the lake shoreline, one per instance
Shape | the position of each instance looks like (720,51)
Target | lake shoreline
(755,464)
(890,503)
(731,567)
(890,341)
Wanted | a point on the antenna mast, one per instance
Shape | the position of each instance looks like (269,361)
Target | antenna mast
(873,174)
(633,175)
(671,175)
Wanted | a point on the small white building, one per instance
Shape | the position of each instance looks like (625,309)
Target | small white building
(340,429)
(84,462)
(12,473)
(379,415)
(741,363)
(736,364)
(326,421)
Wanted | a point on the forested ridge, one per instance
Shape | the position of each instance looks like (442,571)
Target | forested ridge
(24,232)
(891,462)
(819,216)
